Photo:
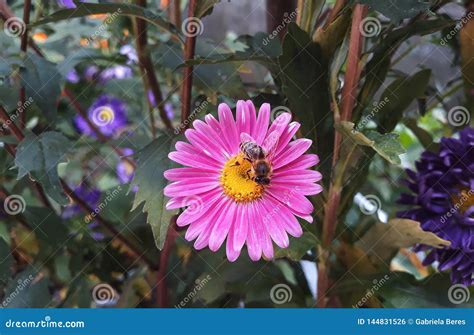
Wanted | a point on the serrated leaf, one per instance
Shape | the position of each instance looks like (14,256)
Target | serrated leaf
(152,162)
(386,145)
(403,9)
(86,9)
(41,81)
(384,240)
(39,156)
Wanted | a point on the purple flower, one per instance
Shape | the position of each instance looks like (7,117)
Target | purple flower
(130,52)
(91,72)
(66,3)
(115,72)
(72,76)
(109,114)
(442,200)
(125,170)
(87,193)
(168,106)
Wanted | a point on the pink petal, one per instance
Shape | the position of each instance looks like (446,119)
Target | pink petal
(182,189)
(287,135)
(288,220)
(221,228)
(263,119)
(194,160)
(200,205)
(231,252)
(252,117)
(291,198)
(203,239)
(178,174)
(304,162)
(243,117)
(253,243)
(213,134)
(308,176)
(301,187)
(271,221)
(280,123)
(240,227)
(293,151)
(229,128)
(209,148)
(196,228)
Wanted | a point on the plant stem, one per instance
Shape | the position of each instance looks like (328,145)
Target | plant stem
(23,48)
(189,49)
(148,72)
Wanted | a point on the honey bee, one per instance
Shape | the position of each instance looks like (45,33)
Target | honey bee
(259,157)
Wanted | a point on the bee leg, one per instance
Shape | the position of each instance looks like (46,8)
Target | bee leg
(236,163)
(249,176)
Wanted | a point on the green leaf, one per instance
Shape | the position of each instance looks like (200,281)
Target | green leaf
(386,145)
(28,289)
(398,96)
(403,9)
(298,247)
(204,7)
(41,81)
(86,9)
(305,84)
(6,261)
(152,162)
(49,228)
(40,156)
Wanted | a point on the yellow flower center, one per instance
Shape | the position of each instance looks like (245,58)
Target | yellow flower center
(463,200)
(237,181)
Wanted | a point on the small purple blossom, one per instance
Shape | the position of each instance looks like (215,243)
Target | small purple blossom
(67,3)
(168,105)
(130,52)
(442,200)
(115,72)
(125,170)
(108,113)
(87,193)
(73,77)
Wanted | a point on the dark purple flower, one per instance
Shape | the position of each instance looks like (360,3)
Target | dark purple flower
(66,3)
(87,193)
(442,200)
(109,114)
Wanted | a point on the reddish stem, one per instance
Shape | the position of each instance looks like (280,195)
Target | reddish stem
(162,287)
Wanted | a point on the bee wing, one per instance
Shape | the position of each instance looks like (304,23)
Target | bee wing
(270,143)
(244,137)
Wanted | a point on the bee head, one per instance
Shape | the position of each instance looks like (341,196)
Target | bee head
(262,180)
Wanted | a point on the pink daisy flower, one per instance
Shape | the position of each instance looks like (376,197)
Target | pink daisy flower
(245,180)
